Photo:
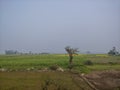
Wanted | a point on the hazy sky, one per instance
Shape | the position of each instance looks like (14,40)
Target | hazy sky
(50,25)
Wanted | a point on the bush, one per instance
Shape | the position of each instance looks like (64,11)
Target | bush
(54,67)
(88,62)
(70,66)
(112,63)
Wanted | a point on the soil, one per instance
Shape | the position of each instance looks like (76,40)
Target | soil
(104,80)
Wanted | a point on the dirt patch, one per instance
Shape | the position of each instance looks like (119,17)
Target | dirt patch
(105,80)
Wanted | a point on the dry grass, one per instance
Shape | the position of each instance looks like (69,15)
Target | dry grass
(39,80)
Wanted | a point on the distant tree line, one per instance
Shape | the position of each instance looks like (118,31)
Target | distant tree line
(70,51)
(9,52)
(14,52)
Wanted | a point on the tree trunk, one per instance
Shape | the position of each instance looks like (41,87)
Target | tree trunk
(70,59)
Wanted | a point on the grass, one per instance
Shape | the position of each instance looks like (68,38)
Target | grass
(37,61)
(103,67)
(31,80)
(39,81)
(23,62)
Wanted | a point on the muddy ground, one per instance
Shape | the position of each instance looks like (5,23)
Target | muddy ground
(105,80)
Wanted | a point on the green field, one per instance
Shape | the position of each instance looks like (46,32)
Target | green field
(14,73)
(23,62)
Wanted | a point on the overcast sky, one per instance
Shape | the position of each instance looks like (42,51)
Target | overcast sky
(50,25)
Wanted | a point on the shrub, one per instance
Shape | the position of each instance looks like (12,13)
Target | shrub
(54,67)
(88,62)
(112,63)
(71,66)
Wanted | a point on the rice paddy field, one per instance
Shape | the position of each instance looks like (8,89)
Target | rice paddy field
(24,72)
(23,62)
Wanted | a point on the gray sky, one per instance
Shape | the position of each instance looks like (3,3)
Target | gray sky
(50,25)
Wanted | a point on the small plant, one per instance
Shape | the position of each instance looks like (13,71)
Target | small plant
(54,67)
(88,62)
(47,83)
(50,84)
(0,66)
(111,63)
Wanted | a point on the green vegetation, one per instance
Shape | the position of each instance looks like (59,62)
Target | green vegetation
(26,72)
(35,62)
(113,52)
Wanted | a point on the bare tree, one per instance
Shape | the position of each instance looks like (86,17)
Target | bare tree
(71,52)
